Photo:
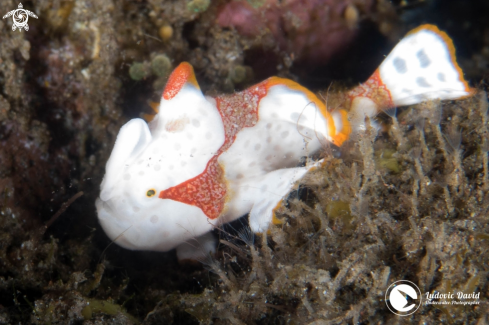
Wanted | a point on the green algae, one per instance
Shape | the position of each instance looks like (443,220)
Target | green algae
(386,159)
(105,307)
(161,65)
(198,6)
(138,71)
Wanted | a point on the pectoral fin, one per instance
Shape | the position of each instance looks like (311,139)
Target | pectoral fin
(269,193)
(197,249)
(262,195)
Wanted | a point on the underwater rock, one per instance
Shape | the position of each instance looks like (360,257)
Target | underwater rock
(312,30)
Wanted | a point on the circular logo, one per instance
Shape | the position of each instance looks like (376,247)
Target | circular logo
(403,298)
(20,18)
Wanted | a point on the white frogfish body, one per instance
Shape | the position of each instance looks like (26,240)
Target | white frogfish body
(203,161)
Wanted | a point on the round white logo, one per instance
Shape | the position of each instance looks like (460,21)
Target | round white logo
(403,298)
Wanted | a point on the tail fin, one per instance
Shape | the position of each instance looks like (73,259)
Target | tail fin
(422,66)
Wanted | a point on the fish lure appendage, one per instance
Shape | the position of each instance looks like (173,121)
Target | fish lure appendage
(202,161)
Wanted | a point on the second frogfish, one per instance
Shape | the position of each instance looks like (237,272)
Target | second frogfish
(206,161)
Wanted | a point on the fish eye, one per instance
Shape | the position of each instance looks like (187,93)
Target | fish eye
(151,193)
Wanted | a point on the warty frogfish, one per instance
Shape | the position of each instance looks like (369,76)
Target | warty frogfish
(206,161)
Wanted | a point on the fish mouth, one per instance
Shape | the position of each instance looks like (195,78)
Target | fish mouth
(159,227)
(116,228)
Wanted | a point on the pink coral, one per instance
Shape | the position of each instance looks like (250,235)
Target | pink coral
(313,30)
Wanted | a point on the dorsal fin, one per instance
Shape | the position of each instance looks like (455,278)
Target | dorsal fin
(182,75)
(188,128)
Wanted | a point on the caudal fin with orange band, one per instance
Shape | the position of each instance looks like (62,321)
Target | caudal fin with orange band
(421,67)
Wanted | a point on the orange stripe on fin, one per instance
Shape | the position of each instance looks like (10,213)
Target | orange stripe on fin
(149,117)
(179,77)
(343,129)
(451,49)
(155,106)
(274,81)
(276,221)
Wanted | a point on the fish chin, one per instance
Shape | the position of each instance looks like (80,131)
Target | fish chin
(161,226)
